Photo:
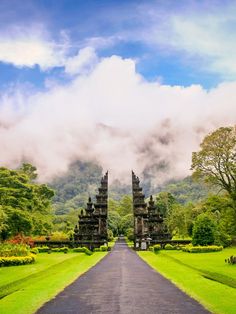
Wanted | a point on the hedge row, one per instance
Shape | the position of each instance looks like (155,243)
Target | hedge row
(17,260)
(202,249)
(102,248)
(82,250)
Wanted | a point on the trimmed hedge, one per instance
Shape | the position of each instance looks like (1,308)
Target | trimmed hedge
(17,260)
(78,250)
(202,249)
(103,248)
(82,250)
(170,247)
(156,248)
(64,249)
(43,249)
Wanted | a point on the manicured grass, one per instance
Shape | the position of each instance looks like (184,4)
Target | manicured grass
(26,288)
(191,273)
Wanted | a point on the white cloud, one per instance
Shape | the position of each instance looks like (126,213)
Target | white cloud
(114,116)
(202,37)
(210,37)
(29,47)
(82,63)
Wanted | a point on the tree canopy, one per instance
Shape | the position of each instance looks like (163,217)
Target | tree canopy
(24,204)
(216,161)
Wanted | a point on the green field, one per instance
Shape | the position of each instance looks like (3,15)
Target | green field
(204,276)
(23,289)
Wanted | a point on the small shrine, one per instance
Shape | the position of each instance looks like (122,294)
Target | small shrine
(91,230)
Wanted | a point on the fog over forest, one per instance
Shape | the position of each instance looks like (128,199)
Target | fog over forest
(113,116)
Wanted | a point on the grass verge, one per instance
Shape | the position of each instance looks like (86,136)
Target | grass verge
(191,273)
(27,292)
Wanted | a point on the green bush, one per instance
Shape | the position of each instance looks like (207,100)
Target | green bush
(43,249)
(78,250)
(231,260)
(97,249)
(87,251)
(8,249)
(204,230)
(110,235)
(202,249)
(64,249)
(151,248)
(103,248)
(156,248)
(130,234)
(17,260)
(169,246)
(34,250)
(82,250)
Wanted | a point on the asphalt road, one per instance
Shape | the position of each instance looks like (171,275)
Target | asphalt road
(122,283)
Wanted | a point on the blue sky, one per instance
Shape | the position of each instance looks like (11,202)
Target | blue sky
(131,83)
(175,42)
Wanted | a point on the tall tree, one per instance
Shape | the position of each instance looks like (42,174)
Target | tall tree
(24,204)
(216,161)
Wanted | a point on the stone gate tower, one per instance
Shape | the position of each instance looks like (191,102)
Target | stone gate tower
(91,230)
(149,227)
(140,213)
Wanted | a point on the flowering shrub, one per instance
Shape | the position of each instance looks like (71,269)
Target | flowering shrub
(17,260)
(21,239)
(202,249)
(9,249)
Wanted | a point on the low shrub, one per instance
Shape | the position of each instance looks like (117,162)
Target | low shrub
(64,249)
(156,248)
(151,248)
(169,246)
(82,250)
(17,260)
(97,249)
(34,250)
(201,249)
(103,248)
(87,251)
(78,250)
(231,260)
(43,249)
(8,249)
(21,239)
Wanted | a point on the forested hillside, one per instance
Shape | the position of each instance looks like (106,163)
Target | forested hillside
(188,190)
(82,179)
(73,188)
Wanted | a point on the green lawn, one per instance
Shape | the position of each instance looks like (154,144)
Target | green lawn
(204,276)
(23,289)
